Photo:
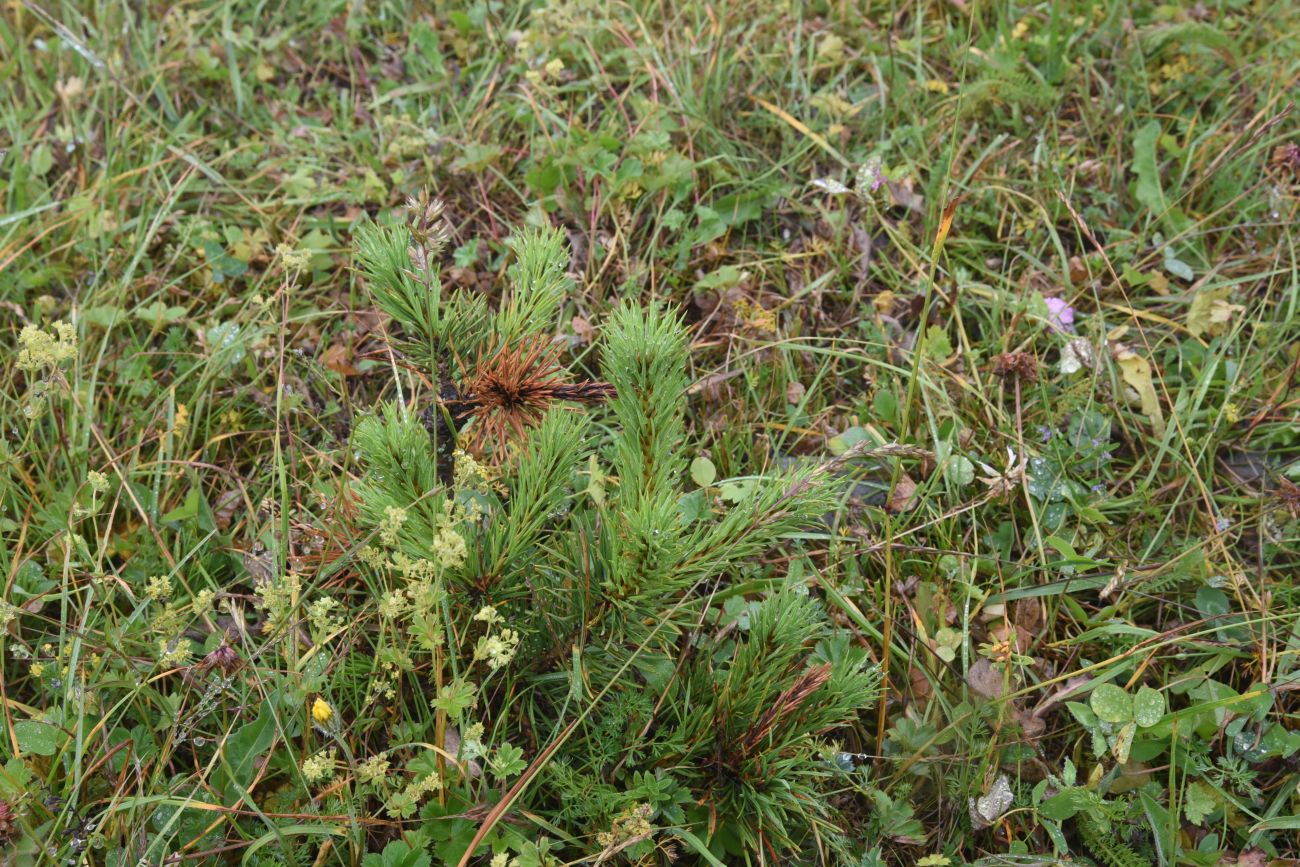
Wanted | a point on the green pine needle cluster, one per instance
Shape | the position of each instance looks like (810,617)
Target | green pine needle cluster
(626,675)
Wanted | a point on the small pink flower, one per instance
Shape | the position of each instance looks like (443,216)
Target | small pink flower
(1060,313)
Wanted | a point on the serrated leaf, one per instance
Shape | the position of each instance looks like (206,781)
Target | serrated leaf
(1111,704)
(476,156)
(397,853)
(38,737)
(1198,802)
(1148,707)
(159,313)
(14,779)
(1082,714)
(737,491)
(456,697)
(936,344)
(721,279)
(507,761)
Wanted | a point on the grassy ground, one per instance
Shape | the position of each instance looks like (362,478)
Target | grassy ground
(1045,247)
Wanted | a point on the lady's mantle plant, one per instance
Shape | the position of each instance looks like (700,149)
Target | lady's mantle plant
(526,535)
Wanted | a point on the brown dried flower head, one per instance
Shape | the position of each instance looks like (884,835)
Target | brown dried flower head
(1288,494)
(8,823)
(225,658)
(1016,365)
(1287,158)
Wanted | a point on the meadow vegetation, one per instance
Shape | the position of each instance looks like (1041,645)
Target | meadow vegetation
(544,433)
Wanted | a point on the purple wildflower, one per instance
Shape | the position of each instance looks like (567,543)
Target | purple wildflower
(1060,313)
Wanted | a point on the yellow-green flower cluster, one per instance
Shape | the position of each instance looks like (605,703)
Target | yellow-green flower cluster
(449,547)
(421,570)
(404,803)
(383,681)
(394,518)
(321,616)
(468,473)
(159,588)
(277,598)
(373,557)
(632,824)
(41,350)
(173,652)
(293,258)
(203,600)
(471,743)
(497,650)
(393,605)
(320,767)
(372,770)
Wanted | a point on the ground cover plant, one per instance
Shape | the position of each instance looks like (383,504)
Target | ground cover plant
(525,433)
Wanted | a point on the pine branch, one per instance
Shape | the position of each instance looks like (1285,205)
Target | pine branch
(538,284)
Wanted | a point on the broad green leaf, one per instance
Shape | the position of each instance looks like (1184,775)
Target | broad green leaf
(698,845)
(1065,803)
(1148,707)
(476,156)
(14,779)
(41,160)
(397,853)
(1146,166)
(507,761)
(1111,704)
(158,313)
(838,445)
(703,473)
(186,510)
(737,491)
(1162,828)
(960,471)
(242,750)
(937,345)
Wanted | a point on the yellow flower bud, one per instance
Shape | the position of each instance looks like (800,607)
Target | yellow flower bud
(321,711)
